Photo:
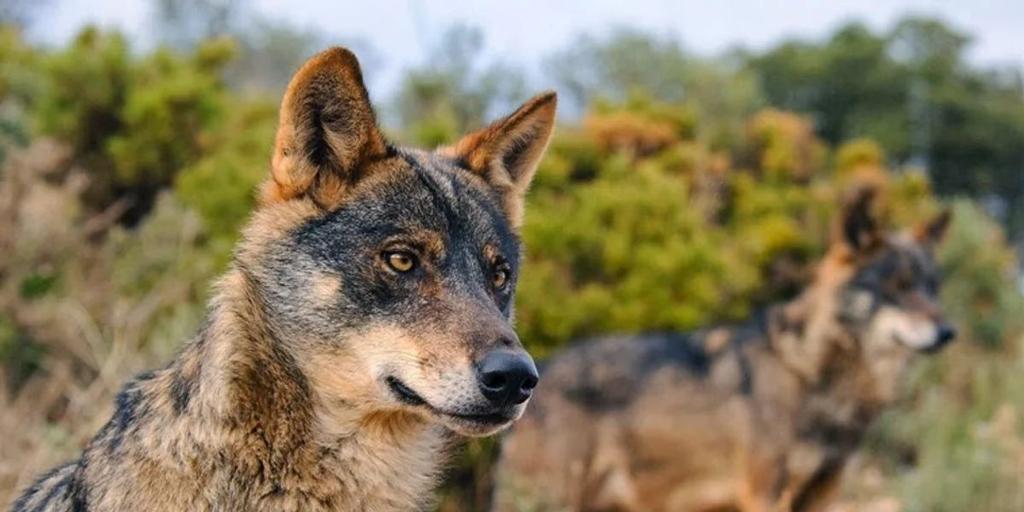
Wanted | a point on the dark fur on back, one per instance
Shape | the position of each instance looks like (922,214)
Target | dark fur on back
(603,376)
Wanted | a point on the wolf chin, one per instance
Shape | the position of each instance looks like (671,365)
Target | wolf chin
(362,327)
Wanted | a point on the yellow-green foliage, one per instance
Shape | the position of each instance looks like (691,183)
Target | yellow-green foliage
(221,185)
(84,92)
(133,122)
(981,274)
(857,154)
(611,253)
(166,112)
(18,80)
(784,145)
(633,225)
(16,58)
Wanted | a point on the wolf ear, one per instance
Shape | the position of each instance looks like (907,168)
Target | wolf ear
(326,131)
(507,152)
(859,227)
(932,232)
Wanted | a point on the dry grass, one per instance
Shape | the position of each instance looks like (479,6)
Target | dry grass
(63,313)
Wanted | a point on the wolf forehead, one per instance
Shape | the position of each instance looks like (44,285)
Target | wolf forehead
(425,200)
(902,263)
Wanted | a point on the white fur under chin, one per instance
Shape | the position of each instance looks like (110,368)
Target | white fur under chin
(913,331)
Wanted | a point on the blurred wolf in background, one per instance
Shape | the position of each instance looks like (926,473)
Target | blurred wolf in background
(363,325)
(759,417)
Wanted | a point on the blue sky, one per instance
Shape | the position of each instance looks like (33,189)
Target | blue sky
(524,31)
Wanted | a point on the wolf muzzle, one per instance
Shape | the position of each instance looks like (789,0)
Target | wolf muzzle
(506,377)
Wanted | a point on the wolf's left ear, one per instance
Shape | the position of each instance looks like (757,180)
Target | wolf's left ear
(932,232)
(859,226)
(507,152)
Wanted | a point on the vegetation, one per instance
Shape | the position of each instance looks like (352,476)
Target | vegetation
(691,191)
(911,90)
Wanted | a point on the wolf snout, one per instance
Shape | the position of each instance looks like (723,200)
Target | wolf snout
(946,334)
(506,377)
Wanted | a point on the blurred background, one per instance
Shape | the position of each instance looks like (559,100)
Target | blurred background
(700,153)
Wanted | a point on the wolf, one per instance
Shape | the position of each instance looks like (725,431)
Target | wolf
(755,417)
(363,326)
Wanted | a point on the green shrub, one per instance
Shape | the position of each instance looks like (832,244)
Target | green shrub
(132,121)
(632,225)
(221,186)
(980,278)
(19,78)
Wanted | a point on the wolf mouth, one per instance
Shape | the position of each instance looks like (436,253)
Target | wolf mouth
(406,395)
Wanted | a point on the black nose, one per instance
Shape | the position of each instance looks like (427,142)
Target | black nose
(506,377)
(946,334)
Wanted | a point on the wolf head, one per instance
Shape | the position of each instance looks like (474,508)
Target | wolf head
(878,291)
(388,274)
(873,304)
(891,297)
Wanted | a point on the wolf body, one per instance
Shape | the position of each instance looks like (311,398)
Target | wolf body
(757,417)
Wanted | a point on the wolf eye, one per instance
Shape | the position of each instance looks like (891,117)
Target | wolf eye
(500,278)
(400,261)
(905,283)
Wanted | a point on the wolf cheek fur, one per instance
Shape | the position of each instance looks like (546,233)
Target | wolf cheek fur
(364,320)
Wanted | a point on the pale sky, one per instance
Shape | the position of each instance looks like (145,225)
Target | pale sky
(524,31)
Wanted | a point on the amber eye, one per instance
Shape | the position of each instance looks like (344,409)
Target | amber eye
(400,261)
(500,278)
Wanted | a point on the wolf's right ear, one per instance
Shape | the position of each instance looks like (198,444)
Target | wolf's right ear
(932,232)
(326,131)
(859,226)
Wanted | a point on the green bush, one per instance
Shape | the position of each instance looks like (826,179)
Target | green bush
(19,79)
(623,252)
(980,275)
(221,185)
(633,225)
(132,121)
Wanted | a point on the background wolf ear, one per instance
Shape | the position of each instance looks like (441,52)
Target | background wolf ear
(326,130)
(859,226)
(932,232)
(507,152)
